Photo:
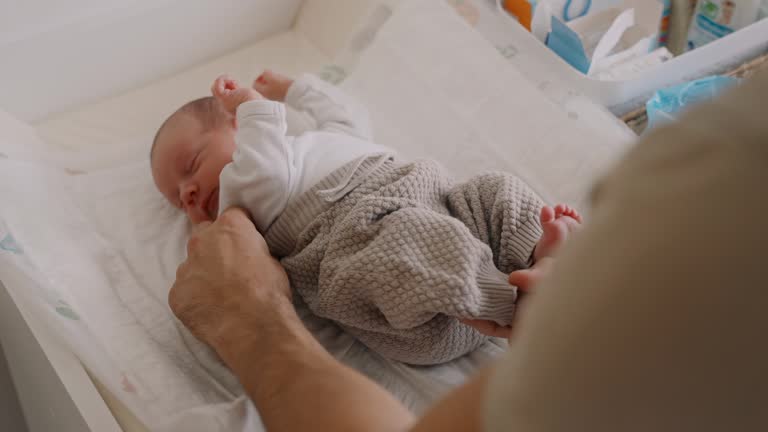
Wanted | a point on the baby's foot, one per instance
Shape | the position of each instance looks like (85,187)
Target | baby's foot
(558,224)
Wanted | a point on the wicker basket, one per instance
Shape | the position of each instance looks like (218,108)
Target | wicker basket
(637,120)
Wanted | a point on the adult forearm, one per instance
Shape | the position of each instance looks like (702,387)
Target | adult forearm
(296,384)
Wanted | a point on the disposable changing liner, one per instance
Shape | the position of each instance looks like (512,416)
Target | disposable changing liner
(91,253)
(94,247)
(95,254)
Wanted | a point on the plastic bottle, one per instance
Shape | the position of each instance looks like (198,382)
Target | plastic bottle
(714,19)
(666,23)
(522,10)
(763,13)
(680,22)
(536,15)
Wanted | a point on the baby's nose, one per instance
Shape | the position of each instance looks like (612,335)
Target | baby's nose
(189,197)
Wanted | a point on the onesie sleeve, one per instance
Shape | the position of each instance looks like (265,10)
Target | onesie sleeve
(332,109)
(260,175)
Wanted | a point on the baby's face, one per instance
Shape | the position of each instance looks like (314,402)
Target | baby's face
(186,164)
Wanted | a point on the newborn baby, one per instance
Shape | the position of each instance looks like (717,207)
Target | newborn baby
(394,252)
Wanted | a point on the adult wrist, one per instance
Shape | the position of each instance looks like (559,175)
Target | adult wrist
(254,326)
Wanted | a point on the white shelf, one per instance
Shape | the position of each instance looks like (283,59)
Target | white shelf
(561,82)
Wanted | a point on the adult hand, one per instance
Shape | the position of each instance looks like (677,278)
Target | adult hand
(524,280)
(228,277)
(489,328)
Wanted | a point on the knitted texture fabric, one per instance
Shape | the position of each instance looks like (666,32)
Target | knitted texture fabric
(398,260)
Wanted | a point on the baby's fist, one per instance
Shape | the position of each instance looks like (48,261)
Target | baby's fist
(273,85)
(231,95)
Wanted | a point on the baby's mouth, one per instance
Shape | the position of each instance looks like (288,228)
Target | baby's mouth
(212,206)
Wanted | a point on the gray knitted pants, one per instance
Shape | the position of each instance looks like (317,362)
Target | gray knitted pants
(402,256)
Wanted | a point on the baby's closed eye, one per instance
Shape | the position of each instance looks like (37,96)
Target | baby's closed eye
(192,166)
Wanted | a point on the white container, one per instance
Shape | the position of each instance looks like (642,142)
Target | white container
(726,17)
(559,80)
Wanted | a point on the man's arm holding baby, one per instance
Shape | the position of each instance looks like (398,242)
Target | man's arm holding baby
(233,295)
(259,177)
(333,110)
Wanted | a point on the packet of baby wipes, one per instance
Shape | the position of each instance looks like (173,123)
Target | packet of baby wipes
(536,15)
(628,65)
(714,19)
(587,43)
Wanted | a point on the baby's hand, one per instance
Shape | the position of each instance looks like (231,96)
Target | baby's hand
(231,95)
(273,85)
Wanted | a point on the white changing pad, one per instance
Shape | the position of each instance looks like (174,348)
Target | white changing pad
(104,253)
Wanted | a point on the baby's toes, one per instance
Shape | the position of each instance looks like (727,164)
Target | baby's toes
(576,215)
(547,215)
(560,210)
(572,213)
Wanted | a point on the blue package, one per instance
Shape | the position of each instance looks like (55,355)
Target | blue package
(665,105)
(568,45)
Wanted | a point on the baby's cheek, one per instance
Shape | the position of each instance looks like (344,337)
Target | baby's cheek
(195,217)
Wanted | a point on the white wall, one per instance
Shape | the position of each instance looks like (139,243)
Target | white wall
(56,54)
(331,32)
(19,19)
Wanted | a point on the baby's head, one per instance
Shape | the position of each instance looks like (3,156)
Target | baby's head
(189,151)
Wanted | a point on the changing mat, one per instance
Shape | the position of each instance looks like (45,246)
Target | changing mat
(98,248)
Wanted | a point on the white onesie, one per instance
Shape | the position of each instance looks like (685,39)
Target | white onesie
(269,169)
